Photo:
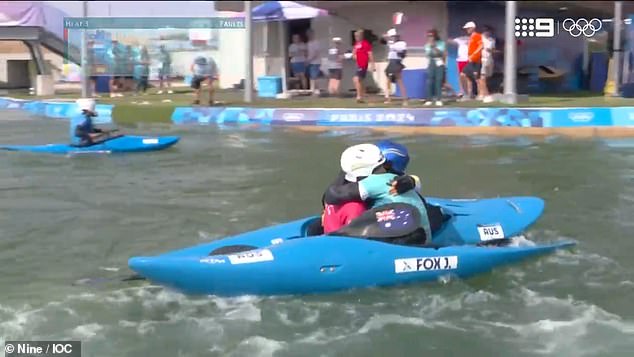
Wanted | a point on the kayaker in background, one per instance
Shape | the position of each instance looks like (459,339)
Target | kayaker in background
(342,201)
(365,164)
(82,130)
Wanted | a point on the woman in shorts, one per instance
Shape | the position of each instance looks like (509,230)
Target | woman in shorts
(394,70)
(298,51)
(335,66)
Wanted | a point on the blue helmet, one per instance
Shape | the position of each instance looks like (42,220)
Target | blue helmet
(396,154)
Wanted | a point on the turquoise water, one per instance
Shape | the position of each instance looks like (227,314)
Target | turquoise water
(64,220)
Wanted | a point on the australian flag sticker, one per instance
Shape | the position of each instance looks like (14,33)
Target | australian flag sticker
(395,219)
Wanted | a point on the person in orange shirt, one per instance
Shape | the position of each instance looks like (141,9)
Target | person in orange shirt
(474,66)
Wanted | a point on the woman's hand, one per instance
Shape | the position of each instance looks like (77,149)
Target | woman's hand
(401,184)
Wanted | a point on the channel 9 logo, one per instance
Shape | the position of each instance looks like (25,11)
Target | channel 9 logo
(545,27)
(534,27)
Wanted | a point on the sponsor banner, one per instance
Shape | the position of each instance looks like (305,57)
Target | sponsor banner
(435,117)
(580,117)
(459,117)
(221,115)
(252,256)
(487,117)
(373,116)
(409,265)
(623,116)
(296,116)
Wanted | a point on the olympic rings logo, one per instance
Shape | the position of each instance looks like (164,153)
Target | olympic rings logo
(582,27)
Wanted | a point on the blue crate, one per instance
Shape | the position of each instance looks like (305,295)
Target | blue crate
(269,86)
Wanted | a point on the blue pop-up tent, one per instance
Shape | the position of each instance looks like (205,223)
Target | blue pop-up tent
(281,11)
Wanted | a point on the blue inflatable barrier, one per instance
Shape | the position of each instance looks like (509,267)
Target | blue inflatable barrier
(12,103)
(56,110)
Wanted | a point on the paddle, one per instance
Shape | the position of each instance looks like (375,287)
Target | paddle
(95,281)
(134,277)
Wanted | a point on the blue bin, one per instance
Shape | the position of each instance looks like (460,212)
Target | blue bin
(415,81)
(103,84)
(269,86)
(599,64)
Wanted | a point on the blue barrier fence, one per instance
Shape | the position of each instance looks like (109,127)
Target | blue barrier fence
(436,117)
(56,110)
(460,117)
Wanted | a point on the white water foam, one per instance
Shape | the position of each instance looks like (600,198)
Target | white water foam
(378,322)
(560,336)
(310,317)
(86,332)
(521,241)
(258,346)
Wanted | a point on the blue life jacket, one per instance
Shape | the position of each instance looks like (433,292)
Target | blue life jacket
(80,124)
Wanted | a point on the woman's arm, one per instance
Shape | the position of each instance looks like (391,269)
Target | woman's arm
(338,194)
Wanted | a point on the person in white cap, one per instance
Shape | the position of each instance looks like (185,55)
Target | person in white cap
(335,66)
(474,66)
(396,54)
(82,129)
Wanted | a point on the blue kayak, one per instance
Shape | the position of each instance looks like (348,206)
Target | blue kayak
(468,221)
(120,144)
(282,260)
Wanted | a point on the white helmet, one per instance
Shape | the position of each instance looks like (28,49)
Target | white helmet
(87,104)
(360,160)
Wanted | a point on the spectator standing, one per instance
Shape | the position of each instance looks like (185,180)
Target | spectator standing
(313,60)
(144,66)
(165,71)
(435,51)
(462,59)
(297,51)
(335,66)
(116,81)
(488,44)
(129,61)
(204,70)
(92,67)
(394,72)
(362,53)
(474,66)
